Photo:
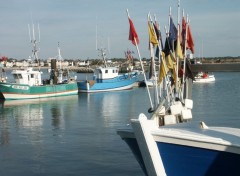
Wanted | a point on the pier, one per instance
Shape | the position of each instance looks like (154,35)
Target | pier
(216,67)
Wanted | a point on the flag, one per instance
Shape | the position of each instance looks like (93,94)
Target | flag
(4,58)
(152,35)
(159,37)
(190,43)
(133,36)
(184,28)
(167,47)
(163,70)
(179,50)
(172,31)
(188,71)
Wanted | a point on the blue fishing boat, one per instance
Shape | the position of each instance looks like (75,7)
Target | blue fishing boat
(107,78)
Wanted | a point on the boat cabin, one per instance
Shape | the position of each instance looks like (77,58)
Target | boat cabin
(27,76)
(105,73)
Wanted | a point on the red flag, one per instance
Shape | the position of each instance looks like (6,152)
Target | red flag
(190,43)
(4,58)
(132,33)
(184,28)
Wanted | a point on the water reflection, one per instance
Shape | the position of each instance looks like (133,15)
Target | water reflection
(110,107)
(27,118)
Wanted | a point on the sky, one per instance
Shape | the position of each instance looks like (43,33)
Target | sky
(76,24)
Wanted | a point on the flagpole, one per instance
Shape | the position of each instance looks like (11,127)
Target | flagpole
(176,54)
(159,50)
(185,53)
(153,58)
(184,61)
(144,75)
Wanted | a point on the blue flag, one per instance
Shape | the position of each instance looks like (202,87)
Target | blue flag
(172,31)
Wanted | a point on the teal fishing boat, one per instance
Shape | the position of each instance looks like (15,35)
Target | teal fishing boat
(28,82)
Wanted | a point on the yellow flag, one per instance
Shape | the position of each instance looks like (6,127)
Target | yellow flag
(175,74)
(169,61)
(179,50)
(152,36)
(163,70)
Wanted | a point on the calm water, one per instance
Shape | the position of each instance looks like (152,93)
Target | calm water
(76,135)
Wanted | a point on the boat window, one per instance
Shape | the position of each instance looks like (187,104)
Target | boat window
(19,76)
(32,75)
(15,76)
(106,71)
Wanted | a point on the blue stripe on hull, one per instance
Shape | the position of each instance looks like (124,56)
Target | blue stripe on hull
(113,84)
(184,160)
(191,161)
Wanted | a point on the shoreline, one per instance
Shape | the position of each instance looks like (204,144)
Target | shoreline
(208,67)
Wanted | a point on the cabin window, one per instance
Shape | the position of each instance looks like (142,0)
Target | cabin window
(113,71)
(17,76)
(106,71)
(32,75)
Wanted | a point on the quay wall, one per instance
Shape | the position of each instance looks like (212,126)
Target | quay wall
(221,67)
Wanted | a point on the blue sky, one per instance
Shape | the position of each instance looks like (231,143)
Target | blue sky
(215,26)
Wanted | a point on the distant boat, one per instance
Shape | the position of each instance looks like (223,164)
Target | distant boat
(29,84)
(107,79)
(202,77)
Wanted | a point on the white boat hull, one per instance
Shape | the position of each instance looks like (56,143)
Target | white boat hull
(211,78)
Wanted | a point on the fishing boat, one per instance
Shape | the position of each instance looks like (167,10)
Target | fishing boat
(107,78)
(28,83)
(204,77)
(168,142)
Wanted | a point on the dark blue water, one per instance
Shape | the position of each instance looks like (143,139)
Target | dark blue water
(76,135)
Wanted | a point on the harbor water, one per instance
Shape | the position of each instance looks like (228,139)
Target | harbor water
(76,135)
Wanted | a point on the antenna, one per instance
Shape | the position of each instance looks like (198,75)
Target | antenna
(96,34)
(34,42)
(38,33)
(108,45)
(29,32)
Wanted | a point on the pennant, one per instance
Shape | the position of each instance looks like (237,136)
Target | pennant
(172,31)
(188,71)
(133,36)
(167,47)
(163,70)
(159,37)
(179,50)
(184,28)
(152,36)
(190,43)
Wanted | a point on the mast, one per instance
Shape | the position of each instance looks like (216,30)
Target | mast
(34,42)
(59,56)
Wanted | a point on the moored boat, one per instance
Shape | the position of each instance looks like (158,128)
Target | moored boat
(204,78)
(29,84)
(107,79)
